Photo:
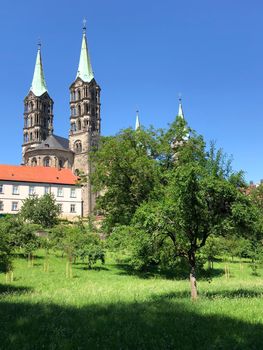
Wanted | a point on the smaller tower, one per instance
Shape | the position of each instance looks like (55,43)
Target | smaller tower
(137,123)
(38,109)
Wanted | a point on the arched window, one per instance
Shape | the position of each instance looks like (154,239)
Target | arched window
(34,162)
(31,121)
(79,95)
(79,110)
(31,136)
(46,161)
(86,108)
(31,106)
(79,124)
(73,126)
(78,146)
(61,163)
(26,137)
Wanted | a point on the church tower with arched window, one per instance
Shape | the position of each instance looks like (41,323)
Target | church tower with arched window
(84,119)
(38,110)
(41,147)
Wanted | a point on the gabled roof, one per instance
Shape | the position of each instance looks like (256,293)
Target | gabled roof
(39,86)
(54,142)
(37,174)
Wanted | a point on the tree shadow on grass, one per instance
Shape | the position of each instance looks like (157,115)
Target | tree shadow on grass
(94,268)
(161,323)
(173,274)
(227,294)
(7,289)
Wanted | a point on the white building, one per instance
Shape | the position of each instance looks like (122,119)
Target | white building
(19,182)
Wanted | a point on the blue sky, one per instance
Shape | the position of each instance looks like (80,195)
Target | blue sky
(143,54)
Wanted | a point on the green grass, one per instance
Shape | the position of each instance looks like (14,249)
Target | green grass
(111,308)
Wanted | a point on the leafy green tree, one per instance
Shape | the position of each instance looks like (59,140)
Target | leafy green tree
(41,210)
(212,249)
(125,172)
(200,199)
(6,248)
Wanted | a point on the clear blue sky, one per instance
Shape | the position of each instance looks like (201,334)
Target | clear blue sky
(143,52)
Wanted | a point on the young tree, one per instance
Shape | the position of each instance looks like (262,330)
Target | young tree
(41,210)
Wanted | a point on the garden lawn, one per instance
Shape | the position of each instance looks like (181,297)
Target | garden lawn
(111,308)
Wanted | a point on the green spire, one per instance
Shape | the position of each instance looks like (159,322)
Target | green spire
(85,71)
(137,123)
(39,85)
(180,110)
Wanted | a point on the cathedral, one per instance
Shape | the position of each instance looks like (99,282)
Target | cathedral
(41,146)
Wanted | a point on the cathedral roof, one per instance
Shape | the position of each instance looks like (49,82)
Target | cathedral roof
(85,71)
(54,142)
(38,174)
(39,86)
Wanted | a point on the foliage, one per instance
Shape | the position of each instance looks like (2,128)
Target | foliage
(78,241)
(125,173)
(40,210)
(6,248)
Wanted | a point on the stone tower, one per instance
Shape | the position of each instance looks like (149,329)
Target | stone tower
(38,110)
(84,120)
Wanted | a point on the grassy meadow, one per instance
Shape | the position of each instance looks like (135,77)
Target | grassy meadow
(110,307)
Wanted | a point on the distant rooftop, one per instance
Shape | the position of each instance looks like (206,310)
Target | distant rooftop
(37,174)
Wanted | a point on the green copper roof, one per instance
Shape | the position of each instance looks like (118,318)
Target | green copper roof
(85,71)
(180,110)
(137,123)
(39,85)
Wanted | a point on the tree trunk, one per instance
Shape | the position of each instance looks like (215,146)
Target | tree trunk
(193,284)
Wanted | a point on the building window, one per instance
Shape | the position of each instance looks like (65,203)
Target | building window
(73,193)
(34,162)
(79,125)
(1,188)
(1,205)
(60,207)
(60,192)
(79,110)
(60,163)
(73,208)
(46,189)
(31,190)
(78,146)
(79,95)
(46,161)
(15,189)
(14,206)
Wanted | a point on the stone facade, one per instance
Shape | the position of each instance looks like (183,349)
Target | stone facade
(84,130)
(38,120)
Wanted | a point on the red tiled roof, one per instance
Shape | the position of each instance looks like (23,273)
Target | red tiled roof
(37,174)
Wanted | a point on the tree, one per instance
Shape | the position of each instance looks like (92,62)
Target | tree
(200,199)
(125,171)
(6,248)
(41,210)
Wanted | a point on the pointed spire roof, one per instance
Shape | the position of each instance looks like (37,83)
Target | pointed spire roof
(181,115)
(137,123)
(85,71)
(39,86)
(180,110)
